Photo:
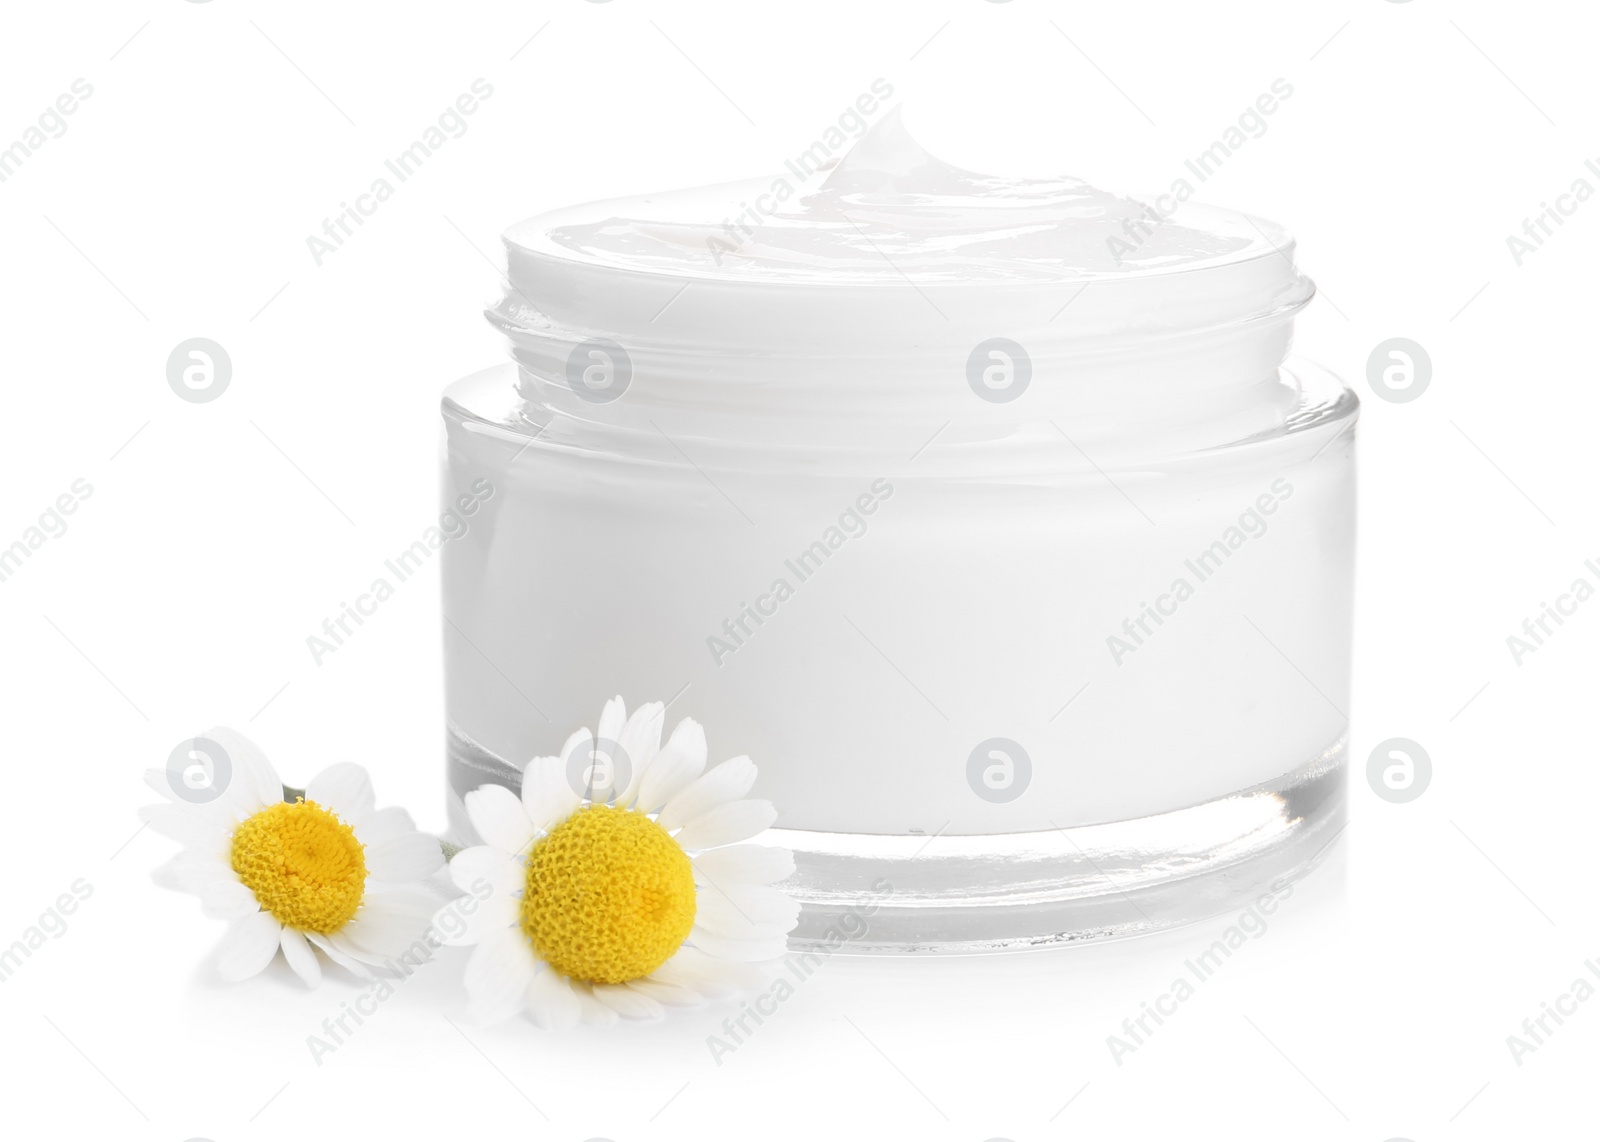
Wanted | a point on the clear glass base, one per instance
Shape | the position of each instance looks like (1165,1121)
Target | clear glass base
(1092,882)
(961,894)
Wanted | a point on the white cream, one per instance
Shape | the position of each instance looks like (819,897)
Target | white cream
(1017,574)
(888,211)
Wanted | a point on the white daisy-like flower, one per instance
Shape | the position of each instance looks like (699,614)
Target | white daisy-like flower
(327,871)
(603,907)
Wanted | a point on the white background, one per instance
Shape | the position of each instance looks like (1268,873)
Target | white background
(218,536)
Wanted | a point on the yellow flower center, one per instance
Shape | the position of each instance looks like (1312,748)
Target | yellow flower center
(610,896)
(304,865)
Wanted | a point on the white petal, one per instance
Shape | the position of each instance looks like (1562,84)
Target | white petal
(300,956)
(680,761)
(344,789)
(330,948)
(547,797)
(497,815)
(641,741)
(739,951)
(188,871)
(482,865)
(612,719)
(191,826)
(241,783)
(580,743)
(459,927)
(551,1001)
(383,825)
(591,1010)
(721,785)
(709,975)
(408,857)
(232,802)
(389,921)
(157,779)
(578,739)
(690,737)
(497,977)
(669,993)
(744,913)
(726,824)
(627,1002)
(248,946)
(210,878)
(745,864)
(254,782)
(225,900)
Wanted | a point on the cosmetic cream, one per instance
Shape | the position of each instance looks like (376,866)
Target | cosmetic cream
(989,516)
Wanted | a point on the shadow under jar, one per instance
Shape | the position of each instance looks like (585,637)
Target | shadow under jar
(1014,550)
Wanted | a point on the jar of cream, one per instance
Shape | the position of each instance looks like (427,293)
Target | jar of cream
(988,516)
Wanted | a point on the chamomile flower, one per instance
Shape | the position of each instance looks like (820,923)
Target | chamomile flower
(596,906)
(324,872)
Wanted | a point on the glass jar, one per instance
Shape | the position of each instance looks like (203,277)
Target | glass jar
(1017,555)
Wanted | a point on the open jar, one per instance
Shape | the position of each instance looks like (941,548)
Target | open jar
(987,516)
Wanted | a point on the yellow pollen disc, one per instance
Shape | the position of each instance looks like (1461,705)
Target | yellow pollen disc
(304,865)
(610,896)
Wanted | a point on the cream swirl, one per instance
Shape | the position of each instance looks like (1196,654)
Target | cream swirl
(783,310)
